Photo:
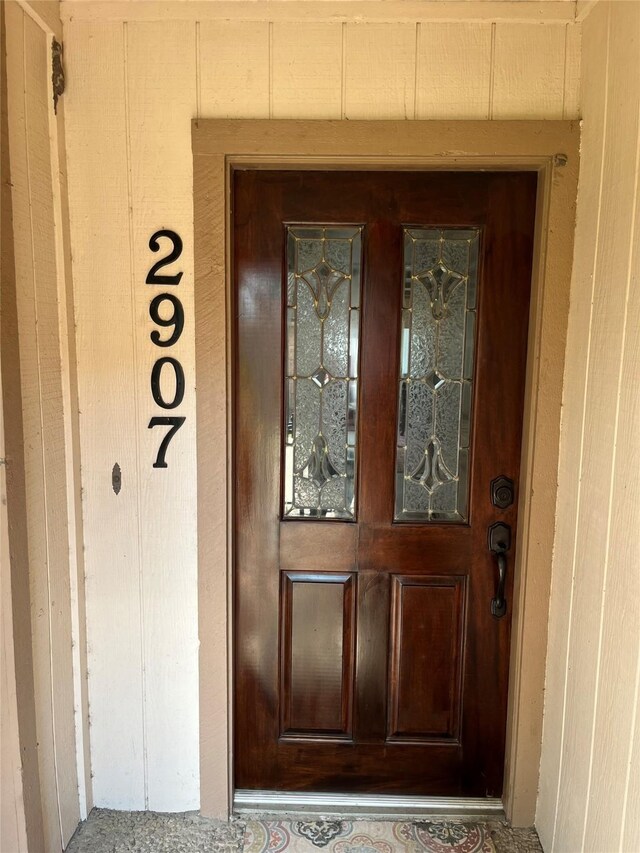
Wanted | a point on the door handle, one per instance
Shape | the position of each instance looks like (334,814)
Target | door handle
(499,543)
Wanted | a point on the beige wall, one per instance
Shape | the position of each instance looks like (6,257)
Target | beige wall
(41,666)
(13,824)
(137,74)
(17,771)
(590,772)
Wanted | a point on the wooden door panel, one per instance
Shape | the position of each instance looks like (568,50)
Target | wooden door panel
(378,400)
(427,642)
(366,657)
(412,549)
(367,767)
(311,546)
(317,648)
(372,654)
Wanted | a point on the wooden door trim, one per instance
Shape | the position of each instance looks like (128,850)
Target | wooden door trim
(549,147)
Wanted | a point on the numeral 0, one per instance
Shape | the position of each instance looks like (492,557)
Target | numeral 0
(155,382)
(176,320)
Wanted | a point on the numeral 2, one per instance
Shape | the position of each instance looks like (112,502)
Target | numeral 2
(175,423)
(154,245)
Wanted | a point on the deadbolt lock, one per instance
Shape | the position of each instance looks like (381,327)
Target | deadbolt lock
(502,492)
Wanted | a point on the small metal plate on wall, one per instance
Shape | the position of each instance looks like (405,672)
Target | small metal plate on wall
(116,478)
(502,492)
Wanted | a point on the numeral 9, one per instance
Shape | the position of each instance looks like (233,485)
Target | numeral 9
(176,320)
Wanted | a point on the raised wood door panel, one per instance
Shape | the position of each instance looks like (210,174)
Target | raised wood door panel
(317,643)
(425,657)
(366,657)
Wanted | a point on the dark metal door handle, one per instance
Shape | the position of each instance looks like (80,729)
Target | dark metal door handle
(499,604)
(499,543)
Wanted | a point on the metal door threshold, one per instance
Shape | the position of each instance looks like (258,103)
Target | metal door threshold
(363,805)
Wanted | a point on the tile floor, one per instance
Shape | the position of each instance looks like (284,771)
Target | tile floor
(107,831)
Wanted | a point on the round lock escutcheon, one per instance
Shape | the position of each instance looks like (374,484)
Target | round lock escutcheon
(502,492)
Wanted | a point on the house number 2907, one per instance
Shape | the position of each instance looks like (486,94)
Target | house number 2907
(160,306)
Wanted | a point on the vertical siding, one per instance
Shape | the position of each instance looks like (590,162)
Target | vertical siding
(39,271)
(18,768)
(14,450)
(109,431)
(161,100)
(526,84)
(451,88)
(234,83)
(13,825)
(13,814)
(588,787)
(132,90)
(380,71)
(306,57)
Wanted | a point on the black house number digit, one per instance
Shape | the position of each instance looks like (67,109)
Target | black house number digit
(176,323)
(175,423)
(156,390)
(176,320)
(174,254)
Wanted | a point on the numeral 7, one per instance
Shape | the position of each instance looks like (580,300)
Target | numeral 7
(175,423)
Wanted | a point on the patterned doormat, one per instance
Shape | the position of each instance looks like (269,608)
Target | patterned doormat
(344,836)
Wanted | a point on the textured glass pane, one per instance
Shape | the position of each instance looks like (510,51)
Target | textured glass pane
(423,338)
(307,330)
(309,253)
(437,346)
(334,422)
(451,336)
(332,495)
(336,332)
(306,417)
(419,424)
(321,369)
(447,425)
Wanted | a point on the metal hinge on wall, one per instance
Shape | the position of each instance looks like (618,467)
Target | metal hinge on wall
(57,72)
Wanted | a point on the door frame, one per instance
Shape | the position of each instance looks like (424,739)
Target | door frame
(550,148)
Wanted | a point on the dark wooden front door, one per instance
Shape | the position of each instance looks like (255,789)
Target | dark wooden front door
(379,371)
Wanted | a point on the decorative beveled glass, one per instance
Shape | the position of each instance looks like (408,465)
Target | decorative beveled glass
(436,374)
(321,370)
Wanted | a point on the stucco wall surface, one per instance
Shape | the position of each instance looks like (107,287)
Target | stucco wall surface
(590,771)
(134,84)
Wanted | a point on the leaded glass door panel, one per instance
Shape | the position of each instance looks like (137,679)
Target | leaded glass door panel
(380,348)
